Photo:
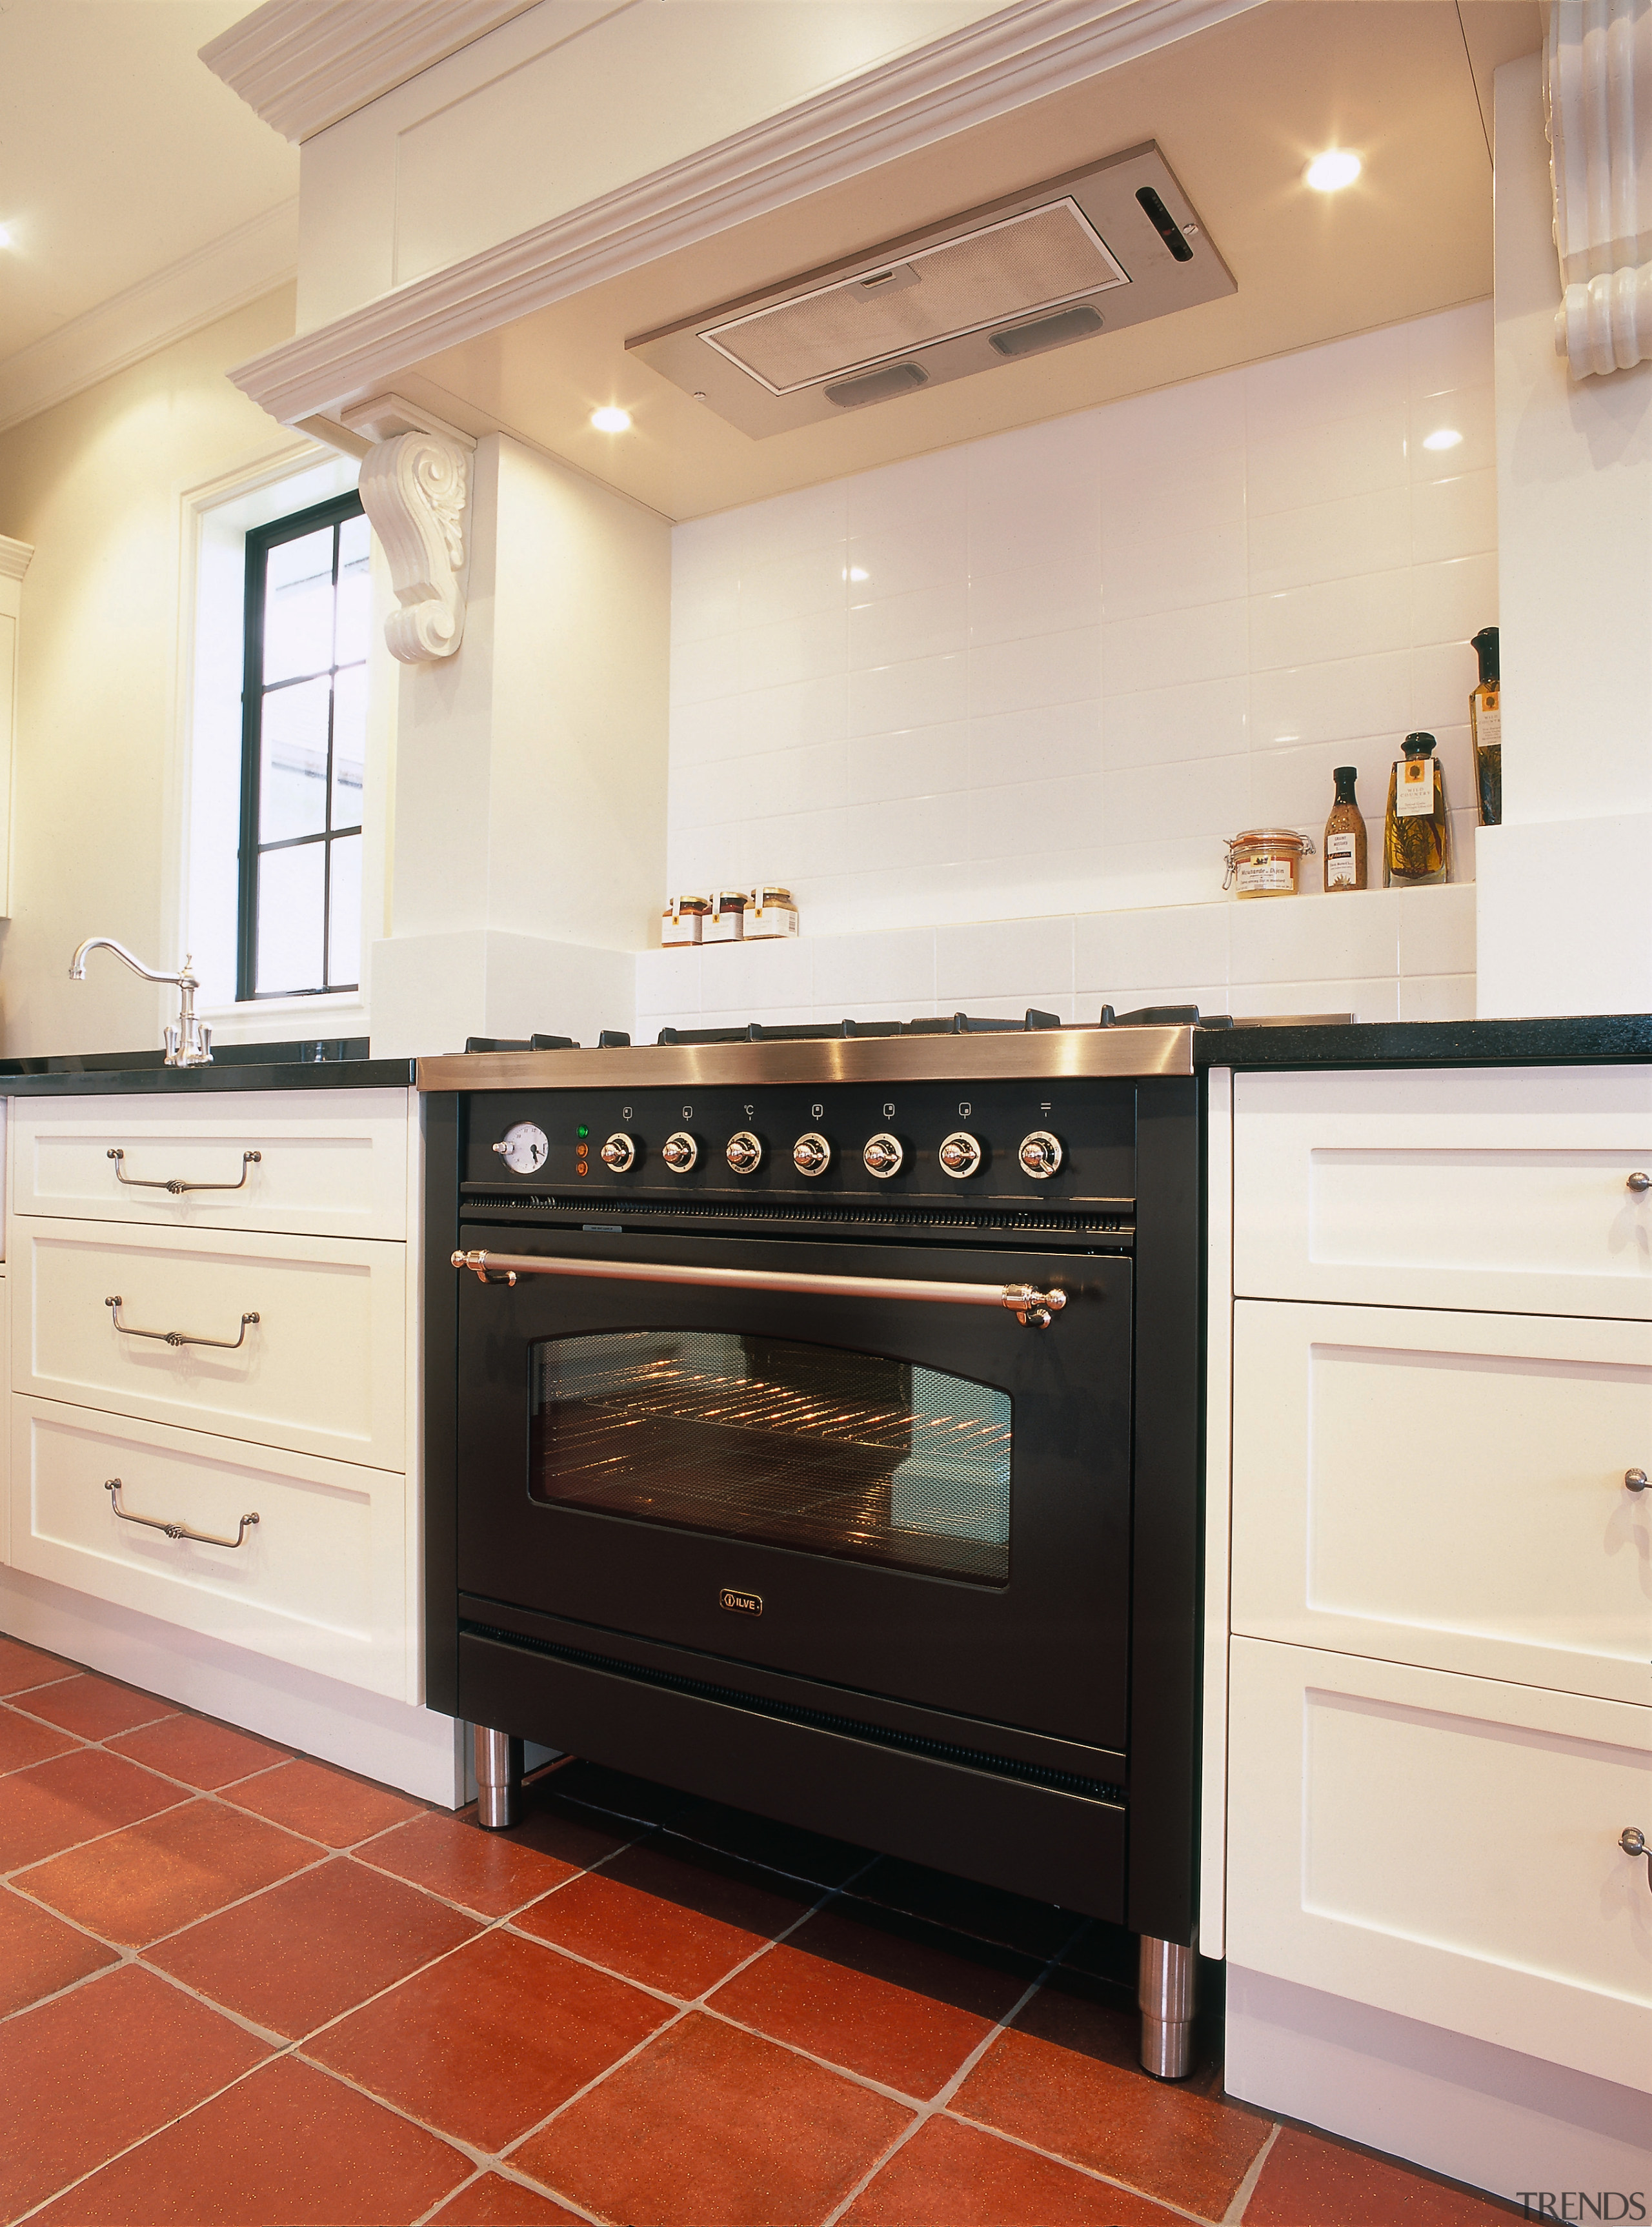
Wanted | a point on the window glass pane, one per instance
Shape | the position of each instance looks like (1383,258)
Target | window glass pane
(290,919)
(354,593)
(292,762)
(344,915)
(299,606)
(349,744)
(763,1439)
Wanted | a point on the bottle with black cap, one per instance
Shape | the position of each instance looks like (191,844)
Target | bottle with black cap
(1417,835)
(1485,725)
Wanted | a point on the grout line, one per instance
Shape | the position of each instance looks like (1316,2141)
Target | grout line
(1246,2188)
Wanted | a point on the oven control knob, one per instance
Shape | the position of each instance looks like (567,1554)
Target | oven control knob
(619,1152)
(812,1155)
(884,1155)
(961,1154)
(745,1152)
(680,1152)
(1040,1154)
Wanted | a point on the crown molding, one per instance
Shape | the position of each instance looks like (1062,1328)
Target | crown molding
(304,64)
(224,275)
(1022,53)
(14,557)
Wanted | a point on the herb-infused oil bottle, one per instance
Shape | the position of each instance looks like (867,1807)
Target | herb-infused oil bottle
(1345,836)
(1417,836)
(1485,725)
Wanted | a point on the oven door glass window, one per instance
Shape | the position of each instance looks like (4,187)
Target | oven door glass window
(768,1440)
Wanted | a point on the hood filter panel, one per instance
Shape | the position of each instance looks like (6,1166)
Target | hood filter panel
(1064,262)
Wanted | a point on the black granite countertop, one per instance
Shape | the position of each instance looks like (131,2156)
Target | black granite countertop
(1590,1039)
(315,1063)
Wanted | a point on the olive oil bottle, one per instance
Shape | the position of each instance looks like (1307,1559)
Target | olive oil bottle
(1345,835)
(1417,835)
(1485,725)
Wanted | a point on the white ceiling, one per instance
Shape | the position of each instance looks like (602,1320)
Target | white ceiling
(120,155)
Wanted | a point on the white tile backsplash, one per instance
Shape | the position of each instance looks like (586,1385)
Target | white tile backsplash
(1032,681)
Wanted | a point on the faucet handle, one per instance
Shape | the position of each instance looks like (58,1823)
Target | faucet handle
(203,1036)
(171,1039)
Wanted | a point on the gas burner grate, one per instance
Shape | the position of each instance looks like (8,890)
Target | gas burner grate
(951,1024)
(1116,1221)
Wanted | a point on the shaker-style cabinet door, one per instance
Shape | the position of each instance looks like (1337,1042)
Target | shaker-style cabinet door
(1446,1849)
(1457,1491)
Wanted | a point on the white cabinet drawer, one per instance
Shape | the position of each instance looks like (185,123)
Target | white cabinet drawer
(1456,1187)
(1447,1490)
(320,1579)
(330,1162)
(1446,1849)
(323,1370)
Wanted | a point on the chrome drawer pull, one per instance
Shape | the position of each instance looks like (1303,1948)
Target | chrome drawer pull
(176,1336)
(1633,1841)
(1634,1479)
(175,1184)
(112,1486)
(1638,1182)
(1031,1306)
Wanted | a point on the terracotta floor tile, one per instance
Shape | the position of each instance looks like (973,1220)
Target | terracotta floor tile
(1307,2182)
(22,1741)
(485,2043)
(39,1954)
(326,1941)
(953,2176)
(486,1871)
(94,1707)
(762,1840)
(151,1878)
(896,2006)
(493,2201)
(73,1798)
(287,2148)
(675,1917)
(329,1805)
(198,1752)
(569,1831)
(21,1667)
(709,2127)
(84,2075)
(1064,2076)
(617,1792)
(988,1912)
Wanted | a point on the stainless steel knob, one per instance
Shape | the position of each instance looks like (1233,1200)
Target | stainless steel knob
(1638,1182)
(680,1152)
(961,1154)
(1040,1154)
(1634,1479)
(745,1152)
(812,1154)
(884,1155)
(619,1152)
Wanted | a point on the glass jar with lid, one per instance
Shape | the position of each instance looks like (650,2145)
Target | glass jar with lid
(1264,862)
(683,919)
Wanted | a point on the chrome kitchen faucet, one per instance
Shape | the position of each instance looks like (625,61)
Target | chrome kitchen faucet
(189,1042)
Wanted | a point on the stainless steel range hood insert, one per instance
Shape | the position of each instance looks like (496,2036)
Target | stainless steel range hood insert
(1075,256)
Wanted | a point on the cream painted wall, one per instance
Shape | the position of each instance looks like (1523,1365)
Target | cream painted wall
(99,485)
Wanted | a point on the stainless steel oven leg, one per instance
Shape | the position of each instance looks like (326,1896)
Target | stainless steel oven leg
(499,1778)
(1164,1996)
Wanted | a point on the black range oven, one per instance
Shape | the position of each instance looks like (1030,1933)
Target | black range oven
(814,1425)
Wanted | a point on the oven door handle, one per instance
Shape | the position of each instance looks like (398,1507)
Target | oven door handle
(1034,1308)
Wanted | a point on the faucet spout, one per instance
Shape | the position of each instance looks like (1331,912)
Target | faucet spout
(188,1041)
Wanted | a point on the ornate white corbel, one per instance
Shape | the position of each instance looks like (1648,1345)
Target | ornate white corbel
(1597,101)
(415,488)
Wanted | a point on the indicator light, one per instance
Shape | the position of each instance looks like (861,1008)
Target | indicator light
(582,1130)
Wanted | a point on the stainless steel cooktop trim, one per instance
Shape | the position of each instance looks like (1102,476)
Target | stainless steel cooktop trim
(1035,1056)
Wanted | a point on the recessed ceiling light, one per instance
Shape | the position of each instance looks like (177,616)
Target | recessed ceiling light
(1329,172)
(610,420)
(1446,436)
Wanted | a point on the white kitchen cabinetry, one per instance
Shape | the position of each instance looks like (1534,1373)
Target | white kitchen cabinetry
(287,1388)
(1439,1716)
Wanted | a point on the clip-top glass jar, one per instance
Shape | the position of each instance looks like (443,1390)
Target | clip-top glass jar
(1263,861)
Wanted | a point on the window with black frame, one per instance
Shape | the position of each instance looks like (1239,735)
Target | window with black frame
(303,752)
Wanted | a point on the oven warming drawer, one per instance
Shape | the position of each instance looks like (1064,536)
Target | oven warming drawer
(1038,1840)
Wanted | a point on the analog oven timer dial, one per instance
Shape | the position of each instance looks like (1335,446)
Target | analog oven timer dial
(523,1148)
